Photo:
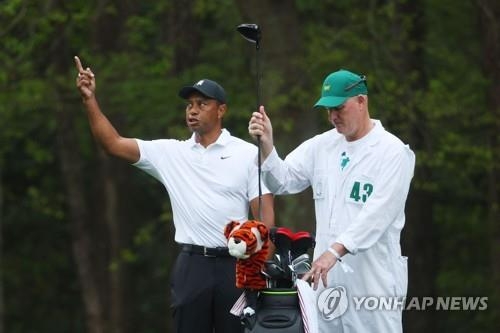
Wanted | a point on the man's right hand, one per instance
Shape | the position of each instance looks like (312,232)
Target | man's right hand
(85,80)
(260,126)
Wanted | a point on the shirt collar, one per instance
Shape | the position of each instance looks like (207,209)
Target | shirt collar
(222,140)
(372,137)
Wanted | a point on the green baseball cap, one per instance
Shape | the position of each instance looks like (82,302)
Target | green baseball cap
(339,86)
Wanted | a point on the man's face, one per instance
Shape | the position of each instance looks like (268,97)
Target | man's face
(203,114)
(348,118)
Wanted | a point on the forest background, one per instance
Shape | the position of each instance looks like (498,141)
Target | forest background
(86,241)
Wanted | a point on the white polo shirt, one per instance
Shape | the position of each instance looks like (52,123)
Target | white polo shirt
(208,187)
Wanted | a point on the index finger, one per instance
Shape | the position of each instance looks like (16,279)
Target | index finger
(308,277)
(78,64)
(323,278)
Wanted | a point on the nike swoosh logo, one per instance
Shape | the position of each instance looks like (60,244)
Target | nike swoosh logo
(224,157)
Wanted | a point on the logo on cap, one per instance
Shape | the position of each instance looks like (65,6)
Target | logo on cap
(199,83)
(326,87)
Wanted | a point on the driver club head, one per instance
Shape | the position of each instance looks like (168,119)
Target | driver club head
(283,243)
(301,243)
(250,31)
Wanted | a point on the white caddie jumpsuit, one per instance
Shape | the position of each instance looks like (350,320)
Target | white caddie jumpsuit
(359,190)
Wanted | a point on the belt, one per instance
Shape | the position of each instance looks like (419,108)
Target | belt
(206,251)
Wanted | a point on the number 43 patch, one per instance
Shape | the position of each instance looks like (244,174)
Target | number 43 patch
(360,192)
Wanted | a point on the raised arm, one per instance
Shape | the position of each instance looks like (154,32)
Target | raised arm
(102,129)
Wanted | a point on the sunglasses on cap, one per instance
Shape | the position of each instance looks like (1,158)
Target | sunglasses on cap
(362,79)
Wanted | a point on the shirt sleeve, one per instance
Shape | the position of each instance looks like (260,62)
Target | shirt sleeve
(384,206)
(150,153)
(291,175)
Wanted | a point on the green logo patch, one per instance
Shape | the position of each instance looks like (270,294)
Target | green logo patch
(344,160)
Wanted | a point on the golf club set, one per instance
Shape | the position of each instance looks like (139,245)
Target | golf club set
(278,307)
(291,259)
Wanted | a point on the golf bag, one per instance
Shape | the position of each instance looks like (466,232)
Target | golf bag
(278,306)
(278,310)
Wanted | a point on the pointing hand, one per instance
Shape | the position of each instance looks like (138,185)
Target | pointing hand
(85,80)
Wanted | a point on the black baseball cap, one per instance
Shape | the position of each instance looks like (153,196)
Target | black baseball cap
(207,88)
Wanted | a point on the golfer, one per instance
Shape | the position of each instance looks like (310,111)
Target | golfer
(211,179)
(360,176)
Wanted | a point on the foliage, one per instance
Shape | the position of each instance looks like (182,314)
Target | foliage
(428,88)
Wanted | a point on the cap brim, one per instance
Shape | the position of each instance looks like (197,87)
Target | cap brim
(188,90)
(330,101)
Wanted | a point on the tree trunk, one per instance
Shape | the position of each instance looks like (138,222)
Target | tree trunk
(182,34)
(420,244)
(420,235)
(112,221)
(91,261)
(2,314)
(490,17)
(108,36)
(72,175)
(280,40)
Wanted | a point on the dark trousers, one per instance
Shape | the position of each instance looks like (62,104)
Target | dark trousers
(203,291)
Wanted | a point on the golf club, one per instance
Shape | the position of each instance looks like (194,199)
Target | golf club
(251,32)
(279,277)
(302,241)
(302,258)
(274,270)
(283,243)
(269,279)
(298,270)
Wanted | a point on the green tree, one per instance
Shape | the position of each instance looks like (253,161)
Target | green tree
(86,242)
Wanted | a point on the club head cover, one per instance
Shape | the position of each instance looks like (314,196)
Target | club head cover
(302,241)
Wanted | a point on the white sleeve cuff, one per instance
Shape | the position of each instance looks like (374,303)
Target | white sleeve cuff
(271,161)
(348,244)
